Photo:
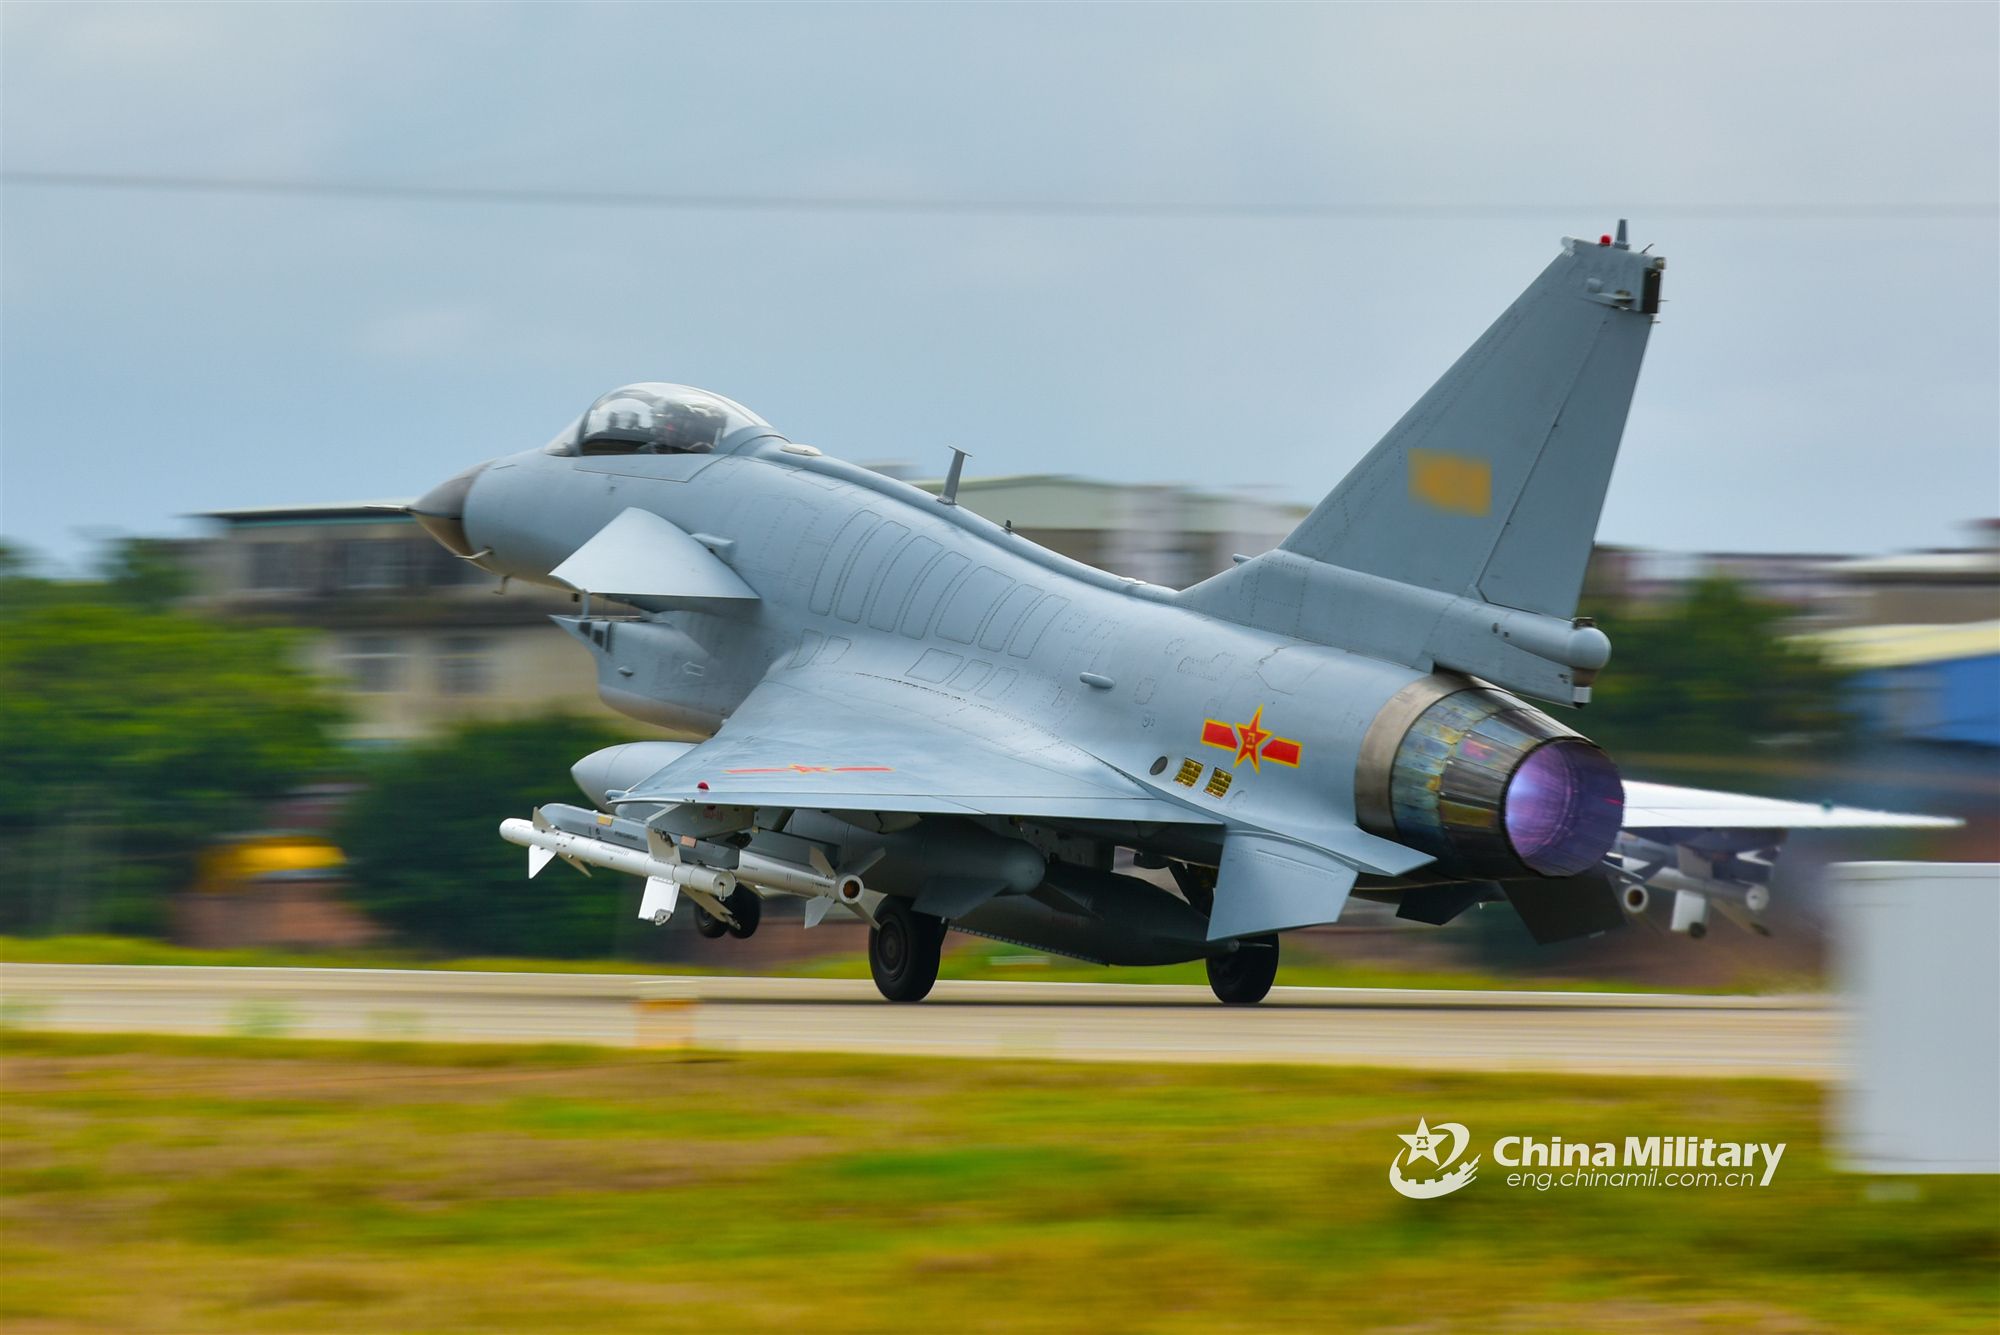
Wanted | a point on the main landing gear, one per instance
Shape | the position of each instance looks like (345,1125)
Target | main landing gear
(743,905)
(903,950)
(1243,977)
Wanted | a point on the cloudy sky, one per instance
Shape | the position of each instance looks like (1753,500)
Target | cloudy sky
(1823,180)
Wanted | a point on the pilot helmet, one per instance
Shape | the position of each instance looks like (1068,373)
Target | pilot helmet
(683,426)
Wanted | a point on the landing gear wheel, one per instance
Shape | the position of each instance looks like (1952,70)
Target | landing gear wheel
(903,950)
(708,924)
(1243,977)
(746,908)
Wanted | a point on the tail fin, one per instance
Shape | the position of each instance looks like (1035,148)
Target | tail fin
(1490,487)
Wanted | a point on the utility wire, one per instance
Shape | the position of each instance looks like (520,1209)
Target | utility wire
(921,205)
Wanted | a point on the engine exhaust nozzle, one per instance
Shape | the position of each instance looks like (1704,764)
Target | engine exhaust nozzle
(1487,784)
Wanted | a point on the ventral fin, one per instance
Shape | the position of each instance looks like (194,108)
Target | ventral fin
(1273,885)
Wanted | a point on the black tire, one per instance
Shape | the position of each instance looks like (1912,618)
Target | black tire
(708,924)
(1243,977)
(746,908)
(903,951)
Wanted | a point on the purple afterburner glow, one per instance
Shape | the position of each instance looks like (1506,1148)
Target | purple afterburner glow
(1563,807)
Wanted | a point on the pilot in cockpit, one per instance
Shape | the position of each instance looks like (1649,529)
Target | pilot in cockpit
(655,418)
(681,427)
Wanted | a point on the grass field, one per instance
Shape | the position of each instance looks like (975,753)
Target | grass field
(966,957)
(163,1185)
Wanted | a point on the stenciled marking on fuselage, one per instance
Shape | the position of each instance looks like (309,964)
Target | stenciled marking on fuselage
(815,769)
(1251,741)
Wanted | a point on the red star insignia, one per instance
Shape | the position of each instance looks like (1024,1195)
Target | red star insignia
(1250,738)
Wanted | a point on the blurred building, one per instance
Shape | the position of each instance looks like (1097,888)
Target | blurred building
(1919,588)
(1806,582)
(1936,683)
(417,637)
(1943,587)
(1168,535)
(422,640)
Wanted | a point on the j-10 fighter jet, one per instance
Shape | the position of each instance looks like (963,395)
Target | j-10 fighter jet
(919,717)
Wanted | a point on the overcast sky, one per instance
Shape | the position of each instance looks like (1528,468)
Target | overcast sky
(1822,178)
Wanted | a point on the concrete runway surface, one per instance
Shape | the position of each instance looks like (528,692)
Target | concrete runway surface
(1602,1033)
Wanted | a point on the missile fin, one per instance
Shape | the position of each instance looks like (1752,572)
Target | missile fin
(713,906)
(538,858)
(817,908)
(575,862)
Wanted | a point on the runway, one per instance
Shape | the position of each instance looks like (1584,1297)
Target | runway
(1599,1033)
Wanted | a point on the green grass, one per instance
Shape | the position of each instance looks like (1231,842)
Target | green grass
(218,1185)
(967,958)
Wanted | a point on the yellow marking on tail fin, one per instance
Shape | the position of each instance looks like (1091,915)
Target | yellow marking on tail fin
(1451,482)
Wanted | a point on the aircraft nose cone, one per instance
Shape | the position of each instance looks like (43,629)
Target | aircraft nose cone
(441,510)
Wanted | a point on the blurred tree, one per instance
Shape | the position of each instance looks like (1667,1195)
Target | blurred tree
(1712,674)
(135,735)
(145,572)
(427,862)
(19,584)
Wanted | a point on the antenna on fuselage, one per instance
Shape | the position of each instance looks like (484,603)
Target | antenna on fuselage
(948,495)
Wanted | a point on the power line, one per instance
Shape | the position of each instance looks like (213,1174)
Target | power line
(917,205)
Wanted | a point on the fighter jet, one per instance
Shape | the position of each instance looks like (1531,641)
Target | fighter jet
(919,717)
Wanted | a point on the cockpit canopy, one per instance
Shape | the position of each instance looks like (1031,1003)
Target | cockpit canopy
(655,418)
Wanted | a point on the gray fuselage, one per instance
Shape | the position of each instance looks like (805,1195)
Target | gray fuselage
(858,571)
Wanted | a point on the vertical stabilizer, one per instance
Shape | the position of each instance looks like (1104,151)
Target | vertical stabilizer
(1490,487)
